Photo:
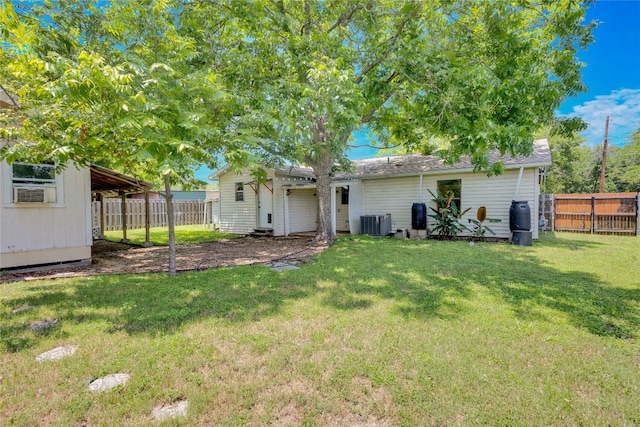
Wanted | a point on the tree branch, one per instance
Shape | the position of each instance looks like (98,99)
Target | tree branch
(345,18)
(306,28)
(10,97)
(392,44)
(369,115)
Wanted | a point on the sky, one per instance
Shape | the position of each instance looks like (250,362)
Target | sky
(611,74)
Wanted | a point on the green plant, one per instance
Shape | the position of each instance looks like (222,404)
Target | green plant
(479,229)
(447,216)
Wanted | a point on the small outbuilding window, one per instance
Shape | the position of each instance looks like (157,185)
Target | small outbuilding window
(345,195)
(453,187)
(34,183)
(239,192)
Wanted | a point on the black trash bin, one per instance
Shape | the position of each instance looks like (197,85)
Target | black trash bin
(419,216)
(519,216)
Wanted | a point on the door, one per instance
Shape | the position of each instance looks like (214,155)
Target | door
(342,208)
(265,205)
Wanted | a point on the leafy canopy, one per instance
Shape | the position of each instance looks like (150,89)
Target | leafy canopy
(470,76)
(117,83)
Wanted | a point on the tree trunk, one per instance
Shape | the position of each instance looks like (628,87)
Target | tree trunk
(322,166)
(324,233)
(171,224)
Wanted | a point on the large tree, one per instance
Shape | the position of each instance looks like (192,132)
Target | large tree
(623,166)
(476,74)
(141,82)
(118,83)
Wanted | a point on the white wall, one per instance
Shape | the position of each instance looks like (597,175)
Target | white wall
(356,205)
(391,195)
(32,233)
(495,193)
(237,217)
(303,210)
(396,196)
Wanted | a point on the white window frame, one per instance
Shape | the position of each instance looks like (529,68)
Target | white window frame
(239,191)
(53,186)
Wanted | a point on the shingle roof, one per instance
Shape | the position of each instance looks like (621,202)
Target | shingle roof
(416,164)
(297,171)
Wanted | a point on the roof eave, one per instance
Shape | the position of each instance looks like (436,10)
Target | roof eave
(446,171)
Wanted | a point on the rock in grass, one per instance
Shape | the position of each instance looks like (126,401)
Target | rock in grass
(281,266)
(57,353)
(164,412)
(41,325)
(22,308)
(108,382)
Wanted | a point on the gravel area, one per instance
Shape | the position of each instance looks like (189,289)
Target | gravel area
(118,258)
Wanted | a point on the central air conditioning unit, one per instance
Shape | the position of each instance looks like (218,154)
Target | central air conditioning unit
(29,195)
(375,225)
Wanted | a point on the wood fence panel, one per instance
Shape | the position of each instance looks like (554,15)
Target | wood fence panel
(608,213)
(186,212)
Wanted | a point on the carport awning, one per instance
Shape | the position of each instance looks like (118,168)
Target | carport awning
(104,180)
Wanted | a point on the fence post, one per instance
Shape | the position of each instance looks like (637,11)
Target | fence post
(593,214)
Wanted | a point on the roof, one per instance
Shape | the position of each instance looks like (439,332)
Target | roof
(418,164)
(296,171)
(104,180)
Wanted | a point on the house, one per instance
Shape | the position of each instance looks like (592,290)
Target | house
(45,215)
(286,203)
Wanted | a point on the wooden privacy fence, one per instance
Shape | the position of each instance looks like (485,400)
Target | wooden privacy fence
(186,212)
(606,213)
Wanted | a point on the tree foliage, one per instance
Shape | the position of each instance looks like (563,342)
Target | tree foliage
(116,83)
(472,76)
(161,85)
(576,167)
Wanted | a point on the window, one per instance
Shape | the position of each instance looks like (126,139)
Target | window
(452,187)
(34,183)
(239,192)
(345,195)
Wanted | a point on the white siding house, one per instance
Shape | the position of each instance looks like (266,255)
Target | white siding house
(381,186)
(45,217)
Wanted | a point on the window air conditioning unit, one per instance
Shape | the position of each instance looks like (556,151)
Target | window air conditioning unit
(29,195)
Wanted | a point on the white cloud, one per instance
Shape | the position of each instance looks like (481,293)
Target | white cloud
(623,107)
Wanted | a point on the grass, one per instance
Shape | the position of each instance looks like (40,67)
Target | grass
(159,236)
(374,332)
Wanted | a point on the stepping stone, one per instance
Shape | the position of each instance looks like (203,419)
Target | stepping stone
(57,353)
(108,382)
(281,266)
(164,412)
(41,325)
(22,308)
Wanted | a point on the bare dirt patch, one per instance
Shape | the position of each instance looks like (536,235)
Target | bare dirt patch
(118,258)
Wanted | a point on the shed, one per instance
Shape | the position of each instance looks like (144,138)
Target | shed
(45,216)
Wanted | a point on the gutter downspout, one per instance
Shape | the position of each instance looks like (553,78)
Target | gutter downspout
(515,195)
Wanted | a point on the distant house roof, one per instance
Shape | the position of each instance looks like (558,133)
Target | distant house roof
(417,164)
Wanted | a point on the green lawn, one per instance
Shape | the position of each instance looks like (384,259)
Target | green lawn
(185,235)
(374,332)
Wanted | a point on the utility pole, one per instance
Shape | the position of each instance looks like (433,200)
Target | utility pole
(604,154)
